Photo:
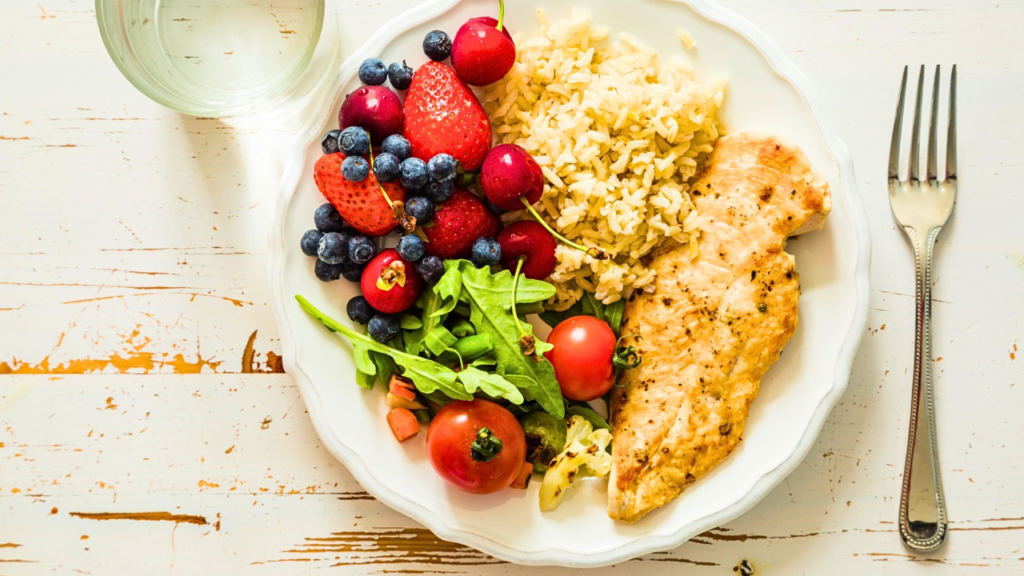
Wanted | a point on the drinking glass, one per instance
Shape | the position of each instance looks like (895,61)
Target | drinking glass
(213,58)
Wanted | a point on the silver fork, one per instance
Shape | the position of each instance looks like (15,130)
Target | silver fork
(922,207)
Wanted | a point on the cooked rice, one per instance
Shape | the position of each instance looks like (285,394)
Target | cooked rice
(617,140)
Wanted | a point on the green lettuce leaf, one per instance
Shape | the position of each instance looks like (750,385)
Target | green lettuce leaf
(494,385)
(385,366)
(589,305)
(409,322)
(589,415)
(489,297)
(428,376)
(431,335)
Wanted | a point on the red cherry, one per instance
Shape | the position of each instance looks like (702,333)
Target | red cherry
(510,173)
(483,50)
(532,242)
(390,284)
(375,108)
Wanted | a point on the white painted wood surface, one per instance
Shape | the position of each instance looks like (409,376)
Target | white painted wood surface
(135,437)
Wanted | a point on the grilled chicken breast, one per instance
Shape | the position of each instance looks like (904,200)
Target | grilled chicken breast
(713,325)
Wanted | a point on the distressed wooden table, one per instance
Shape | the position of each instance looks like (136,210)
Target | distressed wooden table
(145,424)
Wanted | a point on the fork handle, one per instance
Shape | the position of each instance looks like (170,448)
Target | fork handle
(923,522)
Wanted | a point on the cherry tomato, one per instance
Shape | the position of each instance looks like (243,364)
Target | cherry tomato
(477,446)
(582,357)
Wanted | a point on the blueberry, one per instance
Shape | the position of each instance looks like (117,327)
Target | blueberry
(333,248)
(414,174)
(397,144)
(400,75)
(355,168)
(439,191)
(310,242)
(486,252)
(359,310)
(437,45)
(442,167)
(330,142)
(354,141)
(383,327)
(351,271)
(327,219)
(411,248)
(431,268)
(328,272)
(420,208)
(373,72)
(386,167)
(361,250)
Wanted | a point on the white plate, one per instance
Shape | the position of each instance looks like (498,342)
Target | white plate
(766,92)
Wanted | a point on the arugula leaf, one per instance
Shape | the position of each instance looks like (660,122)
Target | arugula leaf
(439,339)
(555,317)
(589,415)
(489,296)
(385,366)
(449,287)
(371,366)
(494,385)
(409,322)
(427,375)
(365,380)
(363,362)
(550,400)
(589,305)
(523,409)
(431,335)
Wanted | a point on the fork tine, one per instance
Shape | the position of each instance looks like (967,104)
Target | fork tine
(951,137)
(915,138)
(897,129)
(933,128)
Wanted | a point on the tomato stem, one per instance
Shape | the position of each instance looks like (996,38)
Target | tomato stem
(595,253)
(626,357)
(501,15)
(486,446)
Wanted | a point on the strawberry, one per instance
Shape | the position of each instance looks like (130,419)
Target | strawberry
(361,204)
(443,115)
(458,222)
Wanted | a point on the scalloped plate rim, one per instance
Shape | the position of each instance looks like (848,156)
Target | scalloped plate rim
(786,69)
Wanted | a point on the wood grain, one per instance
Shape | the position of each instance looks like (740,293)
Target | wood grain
(142,422)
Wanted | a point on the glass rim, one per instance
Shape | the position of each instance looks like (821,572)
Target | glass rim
(105,19)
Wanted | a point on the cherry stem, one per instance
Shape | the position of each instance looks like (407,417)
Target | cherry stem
(515,287)
(594,252)
(379,185)
(501,15)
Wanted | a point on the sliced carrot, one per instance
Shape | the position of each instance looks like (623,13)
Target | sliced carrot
(399,380)
(402,389)
(523,480)
(400,402)
(404,424)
